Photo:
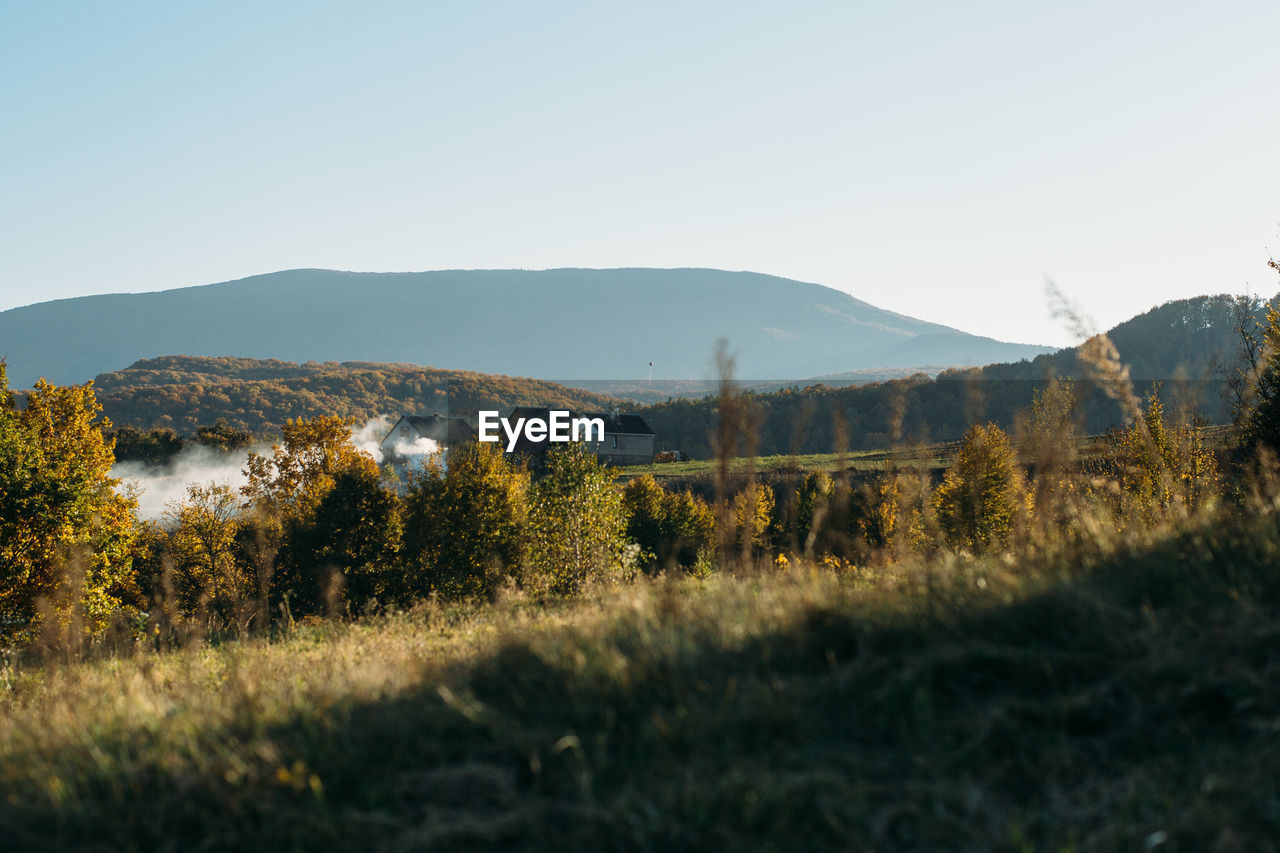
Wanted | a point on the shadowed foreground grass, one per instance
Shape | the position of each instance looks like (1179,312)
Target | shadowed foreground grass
(966,705)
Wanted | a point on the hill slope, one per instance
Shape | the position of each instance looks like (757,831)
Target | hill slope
(1184,344)
(185,392)
(570,323)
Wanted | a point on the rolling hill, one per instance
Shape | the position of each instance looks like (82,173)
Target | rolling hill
(1186,346)
(186,392)
(551,324)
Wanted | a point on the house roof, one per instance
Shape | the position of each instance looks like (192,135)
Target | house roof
(621,423)
(437,427)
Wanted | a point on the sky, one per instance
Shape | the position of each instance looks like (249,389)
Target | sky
(942,160)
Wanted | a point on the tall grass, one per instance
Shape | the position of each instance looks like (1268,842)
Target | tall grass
(978,704)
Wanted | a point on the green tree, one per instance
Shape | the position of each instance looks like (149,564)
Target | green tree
(814,503)
(349,547)
(982,493)
(644,502)
(464,523)
(577,525)
(688,531)
(1262,420)
(58,503)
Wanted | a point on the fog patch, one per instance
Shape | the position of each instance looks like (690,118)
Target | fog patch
(156,486)
(368,438)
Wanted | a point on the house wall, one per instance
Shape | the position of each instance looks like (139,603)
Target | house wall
(631,449)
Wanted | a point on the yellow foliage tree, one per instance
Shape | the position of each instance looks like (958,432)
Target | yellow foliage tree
(60,516)
(980,498)
(203,547)
(299,472)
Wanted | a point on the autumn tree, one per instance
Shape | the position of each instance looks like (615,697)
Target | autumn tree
(300,471)
(208,575)
(577,526)
(671,529)
(688,531)
(751,512)
(464,524)
(643,501)
(58,503)
(981,495)
(285,490)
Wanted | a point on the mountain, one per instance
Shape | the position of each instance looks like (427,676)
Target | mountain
(551,324)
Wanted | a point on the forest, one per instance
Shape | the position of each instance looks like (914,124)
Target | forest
(184,393)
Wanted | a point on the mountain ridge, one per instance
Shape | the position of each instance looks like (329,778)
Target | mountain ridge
(540,323)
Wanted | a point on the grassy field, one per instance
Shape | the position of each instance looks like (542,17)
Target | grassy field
(1116,700)
(931,456)
(924,456)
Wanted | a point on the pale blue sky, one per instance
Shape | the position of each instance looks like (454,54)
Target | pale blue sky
(937,159)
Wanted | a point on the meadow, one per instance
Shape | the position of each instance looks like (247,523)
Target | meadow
(1112,698)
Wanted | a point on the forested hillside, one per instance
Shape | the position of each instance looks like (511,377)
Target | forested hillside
(186,392)
(1191,346)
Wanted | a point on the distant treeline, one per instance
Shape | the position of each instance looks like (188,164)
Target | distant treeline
(159,445)
(1192,347)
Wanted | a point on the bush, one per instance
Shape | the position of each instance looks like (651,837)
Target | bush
(1163,468)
